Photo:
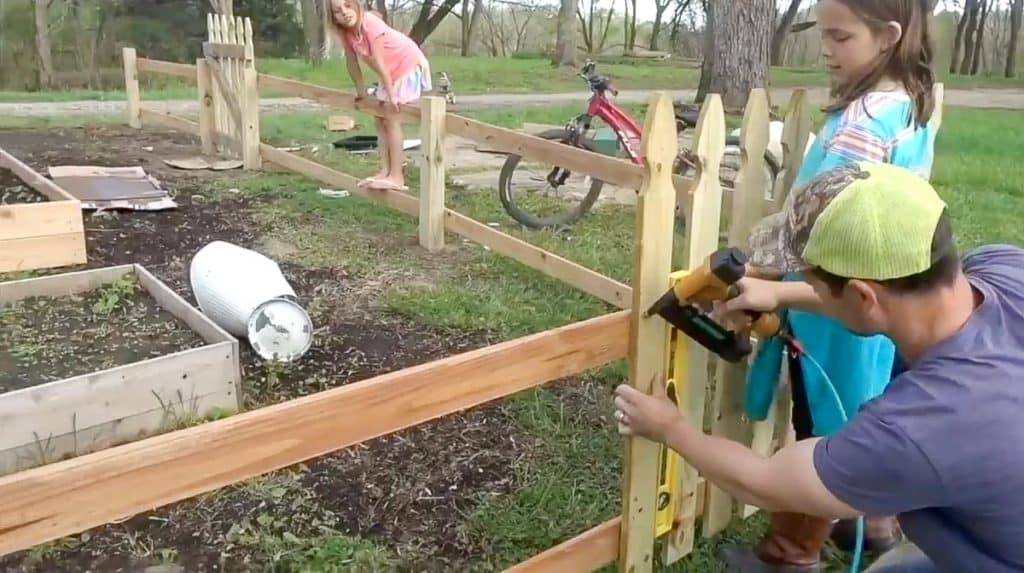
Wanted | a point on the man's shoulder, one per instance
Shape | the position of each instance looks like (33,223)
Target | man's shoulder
(996,257)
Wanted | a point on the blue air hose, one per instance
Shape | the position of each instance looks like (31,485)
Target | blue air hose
(858,548)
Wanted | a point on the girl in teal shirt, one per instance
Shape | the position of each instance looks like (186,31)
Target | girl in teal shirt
(879,55)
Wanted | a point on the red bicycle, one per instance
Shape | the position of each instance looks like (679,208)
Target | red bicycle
(546,198)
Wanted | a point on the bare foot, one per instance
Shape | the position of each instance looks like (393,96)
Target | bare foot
(390,183)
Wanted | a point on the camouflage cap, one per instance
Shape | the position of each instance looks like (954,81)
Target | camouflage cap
(867,220)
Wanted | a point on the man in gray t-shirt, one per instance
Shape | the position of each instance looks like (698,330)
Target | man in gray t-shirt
(943,446)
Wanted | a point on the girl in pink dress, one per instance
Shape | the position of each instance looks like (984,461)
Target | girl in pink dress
(402,69)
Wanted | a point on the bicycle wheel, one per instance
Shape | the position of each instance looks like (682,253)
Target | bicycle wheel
(542,197)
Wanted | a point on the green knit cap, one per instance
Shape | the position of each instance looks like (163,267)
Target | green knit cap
(870,221)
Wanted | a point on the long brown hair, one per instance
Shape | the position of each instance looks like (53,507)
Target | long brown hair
(331,25)
(909,61)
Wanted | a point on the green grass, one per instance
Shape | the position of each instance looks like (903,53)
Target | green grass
(480,75)
(979,173)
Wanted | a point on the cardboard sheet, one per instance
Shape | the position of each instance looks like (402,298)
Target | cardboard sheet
(100,187)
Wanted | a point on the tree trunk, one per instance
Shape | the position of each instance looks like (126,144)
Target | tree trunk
(660,7)
(314,30)
(470,16)
(43,49)
(971,13)
(565,44)
(382,7)
(742,45)
(707,67)
(958,40)
(1016,16)
(631,27)
(782,30)
(428,20)
(979,40)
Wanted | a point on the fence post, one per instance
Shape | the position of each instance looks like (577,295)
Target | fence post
(648,336)
(204,88)
(131,87)
(730,378)
(250,107)
(432,183)
(702,240)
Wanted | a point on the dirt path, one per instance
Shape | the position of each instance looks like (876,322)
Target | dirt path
(979,98)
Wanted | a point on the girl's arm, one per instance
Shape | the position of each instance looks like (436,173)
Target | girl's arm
(377,63)
(355,72)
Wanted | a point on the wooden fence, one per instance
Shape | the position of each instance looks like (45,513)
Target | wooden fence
(68,497)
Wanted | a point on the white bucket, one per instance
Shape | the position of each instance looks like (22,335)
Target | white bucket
(247,295)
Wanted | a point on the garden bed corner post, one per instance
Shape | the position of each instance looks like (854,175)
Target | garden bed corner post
(648,336)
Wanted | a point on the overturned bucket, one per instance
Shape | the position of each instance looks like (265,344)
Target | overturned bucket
(247,295)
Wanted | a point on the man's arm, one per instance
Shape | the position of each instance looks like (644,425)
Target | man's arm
(786,481)
(768,295)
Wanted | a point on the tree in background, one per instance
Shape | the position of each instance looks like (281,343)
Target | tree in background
(43,49)
(660,7)
(315,30)
(431,14)
(565,44)
(471,10)
(782,27)
(740,47)
(594,43)
(629,44)
(1016,15)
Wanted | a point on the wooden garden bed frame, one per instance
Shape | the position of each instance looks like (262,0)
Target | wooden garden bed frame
(39,235)
(62,499)
(86,413)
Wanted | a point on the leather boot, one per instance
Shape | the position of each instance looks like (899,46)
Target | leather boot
(880,534)
(793,545)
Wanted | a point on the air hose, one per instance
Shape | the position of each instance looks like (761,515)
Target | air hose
(797,348)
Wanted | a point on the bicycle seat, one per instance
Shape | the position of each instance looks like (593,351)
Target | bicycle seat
(688,117)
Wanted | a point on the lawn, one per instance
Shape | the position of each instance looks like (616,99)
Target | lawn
(554,493)
(481,75)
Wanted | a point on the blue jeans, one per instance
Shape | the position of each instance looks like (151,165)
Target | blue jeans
(905,558)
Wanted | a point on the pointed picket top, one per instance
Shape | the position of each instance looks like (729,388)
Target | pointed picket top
(795,134)
(753,184)
(659,144)
(239,37)
(939,93)
(250,46)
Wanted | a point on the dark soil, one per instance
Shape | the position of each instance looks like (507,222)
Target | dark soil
(13,190)
(408,491)
(44,339)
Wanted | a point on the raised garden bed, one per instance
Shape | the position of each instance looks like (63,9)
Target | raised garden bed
(40,223)
(95,358)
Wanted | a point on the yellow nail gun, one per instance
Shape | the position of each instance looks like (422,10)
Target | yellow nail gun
(714,280)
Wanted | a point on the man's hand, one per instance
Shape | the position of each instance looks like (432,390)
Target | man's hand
(652,416)
(755,294)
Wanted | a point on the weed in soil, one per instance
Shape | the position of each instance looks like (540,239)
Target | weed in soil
(14,191)
(44,339)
